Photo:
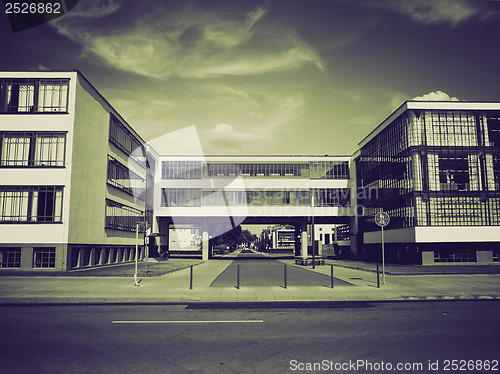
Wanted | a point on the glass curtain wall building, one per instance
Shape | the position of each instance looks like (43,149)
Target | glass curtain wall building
(433,167)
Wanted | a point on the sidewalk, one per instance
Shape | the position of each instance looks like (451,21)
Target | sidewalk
(175,288)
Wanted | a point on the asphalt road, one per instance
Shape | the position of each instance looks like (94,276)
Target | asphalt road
(176,339)
(257,270)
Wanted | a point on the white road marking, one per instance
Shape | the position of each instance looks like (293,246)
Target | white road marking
(152,322)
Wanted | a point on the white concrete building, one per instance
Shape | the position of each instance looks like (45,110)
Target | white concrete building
(73,175)
(217,193)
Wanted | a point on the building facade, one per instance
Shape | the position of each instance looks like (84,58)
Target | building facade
(218,193)
(73,175)
(434,167)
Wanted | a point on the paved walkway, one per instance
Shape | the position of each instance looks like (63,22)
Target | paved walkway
(175,287)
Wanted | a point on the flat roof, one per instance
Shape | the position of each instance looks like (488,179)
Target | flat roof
(268,158)
(436,105)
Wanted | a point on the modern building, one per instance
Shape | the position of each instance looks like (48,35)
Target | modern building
(73,175)
(218,193)
(278,238)
(79,187)
(434,167)
(184,240)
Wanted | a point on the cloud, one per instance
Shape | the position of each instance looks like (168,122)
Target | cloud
(361,121)
(189,42)
(426,12)
(435,96)
(254,17)
(224,134)
(268,116)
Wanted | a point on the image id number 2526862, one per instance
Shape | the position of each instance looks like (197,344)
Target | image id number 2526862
(33,8)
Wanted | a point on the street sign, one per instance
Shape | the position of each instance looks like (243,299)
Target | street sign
(382,219)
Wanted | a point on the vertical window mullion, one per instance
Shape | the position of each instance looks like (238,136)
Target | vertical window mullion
(33,139)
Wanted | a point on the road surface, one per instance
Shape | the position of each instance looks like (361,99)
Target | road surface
(256,270)
(176,339)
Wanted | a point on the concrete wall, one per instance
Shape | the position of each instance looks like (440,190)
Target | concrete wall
(88,169)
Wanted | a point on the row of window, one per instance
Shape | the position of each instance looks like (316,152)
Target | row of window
(120,136)
(34,95)
(31,204)
(198,170)
(32,149)
(125,179)
(23,204)
(458,210)
(43,257)
(455,257)
(122,217)
(191,197)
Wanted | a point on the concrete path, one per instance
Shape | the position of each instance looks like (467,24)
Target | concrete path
(175,287)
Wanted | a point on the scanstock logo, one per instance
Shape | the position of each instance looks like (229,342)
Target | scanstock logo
(219,219)
(27,14)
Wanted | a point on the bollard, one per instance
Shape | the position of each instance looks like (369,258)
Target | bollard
(378,277)
(284,276)
(331,276)
(238,277)
(191,278)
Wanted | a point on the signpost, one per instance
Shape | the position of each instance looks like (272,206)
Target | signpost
(382,219)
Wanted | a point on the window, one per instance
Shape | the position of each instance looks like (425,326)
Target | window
(44,257)
(343,233)
(496,255)
(454,173)
(181,170)
(447,256)
(125,179)
(329,170)
(122,217)
(32,149)
(493,121)
(120,136)
(10,257)
(332,197)
(34,95)
(457,210)
(30,204)
(52,96)
(173,197)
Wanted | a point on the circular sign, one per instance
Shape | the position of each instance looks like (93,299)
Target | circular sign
(382,219)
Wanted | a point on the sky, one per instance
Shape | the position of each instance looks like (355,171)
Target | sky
(269,77)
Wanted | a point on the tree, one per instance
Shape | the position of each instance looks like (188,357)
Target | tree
(235,237)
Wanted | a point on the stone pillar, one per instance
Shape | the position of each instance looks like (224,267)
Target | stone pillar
(92,257)
(103,258)
(484,257)
(205,249)
(297,240)
(303,240)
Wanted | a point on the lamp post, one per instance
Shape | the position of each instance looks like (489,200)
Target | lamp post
(312,230)
(136,251)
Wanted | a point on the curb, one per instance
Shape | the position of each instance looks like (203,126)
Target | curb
(11,301)
(407,274)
